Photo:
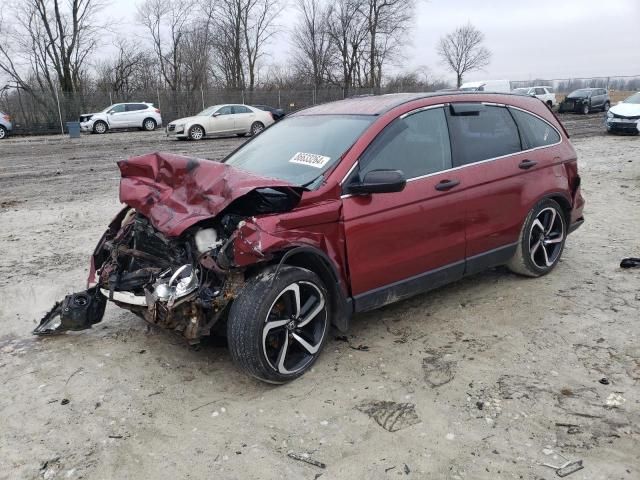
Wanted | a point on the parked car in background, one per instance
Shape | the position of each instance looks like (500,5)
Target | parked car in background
(544,93)
(5,125)
(625,116)
(337,209)
(276,113)
(122,115)
(497,86)
(228,119)
(586,100)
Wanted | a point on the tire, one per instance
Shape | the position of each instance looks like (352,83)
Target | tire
(3,132)
(536,256)
(550,104)
(606,107)
(256,128)
(263,323)
(196,132)
(100,127)
(586,109)
(149,125)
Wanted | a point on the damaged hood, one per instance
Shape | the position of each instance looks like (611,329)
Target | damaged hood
(175,192)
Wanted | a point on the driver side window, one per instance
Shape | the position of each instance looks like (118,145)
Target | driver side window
(227,110)
(417,145)
(117,108)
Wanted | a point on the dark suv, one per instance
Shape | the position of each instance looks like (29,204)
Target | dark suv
(586,100)
(337,209)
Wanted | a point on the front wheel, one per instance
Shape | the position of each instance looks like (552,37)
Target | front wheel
(278,325)
(3,132)
(196,132)
(606,107)
(586,109)
(100,127)
(541,240)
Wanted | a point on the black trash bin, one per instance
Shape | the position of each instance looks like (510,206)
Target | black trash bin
(74,129)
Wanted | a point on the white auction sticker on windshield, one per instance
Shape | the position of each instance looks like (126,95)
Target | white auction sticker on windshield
(311,159)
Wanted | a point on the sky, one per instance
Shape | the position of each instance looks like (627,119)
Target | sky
(551,39)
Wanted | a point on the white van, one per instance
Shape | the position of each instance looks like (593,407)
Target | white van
(496,86)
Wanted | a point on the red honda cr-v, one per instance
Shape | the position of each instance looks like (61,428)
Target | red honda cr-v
(335,210)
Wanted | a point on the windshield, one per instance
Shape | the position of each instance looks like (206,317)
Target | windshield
(635,98)
(300,149)
(580,93)
(108,108)
(207,112)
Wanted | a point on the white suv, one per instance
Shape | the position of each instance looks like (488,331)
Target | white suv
(122,115)
(543,92)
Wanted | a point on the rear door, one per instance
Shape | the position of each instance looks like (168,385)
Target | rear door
(404,242)
(243,117)
(135,114)
(500,164)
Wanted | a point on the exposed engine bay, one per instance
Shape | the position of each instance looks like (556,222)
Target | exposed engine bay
(162,266)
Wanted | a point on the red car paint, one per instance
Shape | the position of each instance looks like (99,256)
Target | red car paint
(373,240)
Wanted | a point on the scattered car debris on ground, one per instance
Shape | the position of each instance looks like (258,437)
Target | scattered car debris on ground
(306,459)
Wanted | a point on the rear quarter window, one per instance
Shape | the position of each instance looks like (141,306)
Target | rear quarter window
(535,131)
(489,133)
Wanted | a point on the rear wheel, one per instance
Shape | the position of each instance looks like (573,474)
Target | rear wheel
(3,132)
(278,325)
(100,127)
(541,240)
(196,132)
(549,104)
(149,124)
(586,109)
(606,107)
(256,128)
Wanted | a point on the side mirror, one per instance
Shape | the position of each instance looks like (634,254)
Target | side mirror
(216,114)
(379,181)
(533,94)
(110,112)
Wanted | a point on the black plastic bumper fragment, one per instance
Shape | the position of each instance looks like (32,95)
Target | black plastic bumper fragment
(77,311)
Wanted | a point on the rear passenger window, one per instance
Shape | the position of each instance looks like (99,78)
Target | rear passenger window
(417,144)
(134,107)
(488,133)
(535,132)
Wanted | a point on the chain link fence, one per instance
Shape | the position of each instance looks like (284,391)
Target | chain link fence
(44,113)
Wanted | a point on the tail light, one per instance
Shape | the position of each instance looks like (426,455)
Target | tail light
(157,110)
(7,117)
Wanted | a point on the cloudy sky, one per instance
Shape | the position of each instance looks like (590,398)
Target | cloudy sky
(529,39)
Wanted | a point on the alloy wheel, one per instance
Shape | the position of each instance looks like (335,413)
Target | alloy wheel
(100,127)
(196,133)
(295,327)
(3,133)
(546,238)
(149,125)
(257,128)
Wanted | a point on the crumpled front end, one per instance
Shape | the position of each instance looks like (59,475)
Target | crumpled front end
(192,232)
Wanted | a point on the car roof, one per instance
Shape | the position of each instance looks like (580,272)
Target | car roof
(379,104)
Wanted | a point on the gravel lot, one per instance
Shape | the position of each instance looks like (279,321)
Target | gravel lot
(487,378)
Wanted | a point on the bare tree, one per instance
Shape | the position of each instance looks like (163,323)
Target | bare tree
(258,23)
(462,51)
(311,41)
(387,24)
(49,43)
(168,23)
(348,33)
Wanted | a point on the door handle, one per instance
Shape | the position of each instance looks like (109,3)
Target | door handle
(527,164)
(447,184)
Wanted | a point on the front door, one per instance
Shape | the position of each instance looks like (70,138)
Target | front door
(221,121)
(117,116)
(401,243)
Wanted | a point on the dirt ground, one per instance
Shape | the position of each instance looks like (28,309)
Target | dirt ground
(490,377)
